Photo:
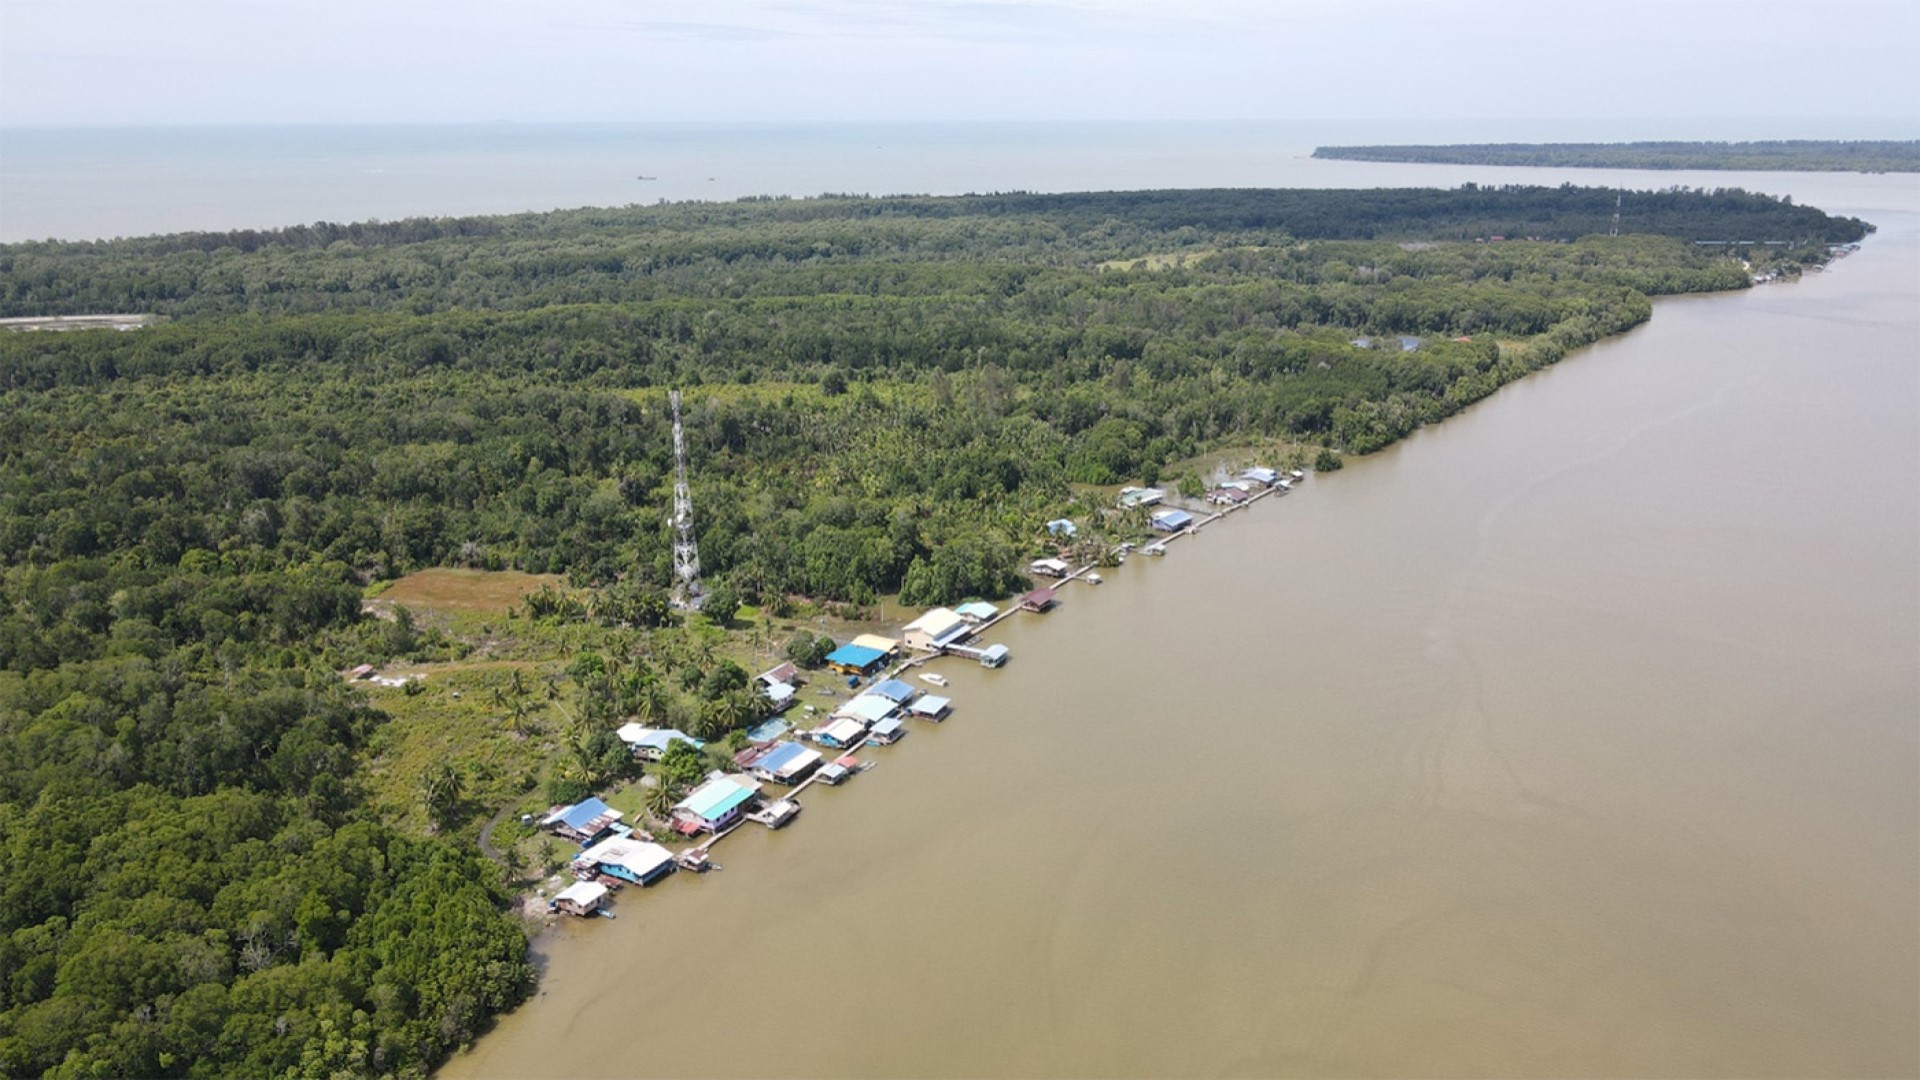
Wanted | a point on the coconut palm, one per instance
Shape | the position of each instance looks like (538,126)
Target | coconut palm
(660,796)
(513,864)
(440,790)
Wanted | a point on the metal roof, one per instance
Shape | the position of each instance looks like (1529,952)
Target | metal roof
(888,726)
(715,798)
(977,609)
(940,624)
(844,730)
(892,690)
(867,707)
(584,893)
(637,856)
(583,813)
(655,738)
(931,705)
(785,757)
(855,656)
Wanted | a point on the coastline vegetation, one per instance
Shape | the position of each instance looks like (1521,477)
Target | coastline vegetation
(219,857)
(1787,155)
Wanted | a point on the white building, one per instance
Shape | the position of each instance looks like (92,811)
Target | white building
(935,630)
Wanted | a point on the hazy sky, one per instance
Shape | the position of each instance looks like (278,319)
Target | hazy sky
(201,61)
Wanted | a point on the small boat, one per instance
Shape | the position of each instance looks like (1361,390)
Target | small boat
(604,913)
(937,680)
(1094,579)
(646,178)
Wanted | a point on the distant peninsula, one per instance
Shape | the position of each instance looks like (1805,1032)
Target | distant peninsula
(1787,155)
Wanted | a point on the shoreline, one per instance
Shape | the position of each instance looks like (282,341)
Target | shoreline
(530,903)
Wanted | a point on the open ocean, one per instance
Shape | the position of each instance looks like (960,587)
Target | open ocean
(93,183)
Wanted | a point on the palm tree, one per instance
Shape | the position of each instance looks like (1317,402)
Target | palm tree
(660,796)
(519,720)
(440,791)
(651,702)
(513,864)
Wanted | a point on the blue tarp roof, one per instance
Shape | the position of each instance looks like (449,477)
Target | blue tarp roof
(855,656)
(892,689)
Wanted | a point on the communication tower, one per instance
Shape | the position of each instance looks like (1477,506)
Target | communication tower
(1615,231)
(687,592)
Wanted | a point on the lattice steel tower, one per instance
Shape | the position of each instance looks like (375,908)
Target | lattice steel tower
(1615,230)
(687,593)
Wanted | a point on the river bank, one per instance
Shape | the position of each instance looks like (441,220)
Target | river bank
(776,803)
(1556,745)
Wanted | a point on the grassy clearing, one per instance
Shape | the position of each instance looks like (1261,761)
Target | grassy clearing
(445,589)
(1163,261)
(460,714)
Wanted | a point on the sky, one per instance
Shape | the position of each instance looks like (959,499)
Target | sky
(94,62)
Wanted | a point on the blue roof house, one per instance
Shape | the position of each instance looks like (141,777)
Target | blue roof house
(892,689)
(855,660)
(583,822)
(1171,520)
(786,763)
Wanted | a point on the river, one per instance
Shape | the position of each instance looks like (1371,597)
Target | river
(1573,736)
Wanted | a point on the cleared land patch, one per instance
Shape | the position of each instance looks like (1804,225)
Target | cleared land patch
(448,589)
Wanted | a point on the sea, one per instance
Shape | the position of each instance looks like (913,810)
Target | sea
(1578,735)
(103,182)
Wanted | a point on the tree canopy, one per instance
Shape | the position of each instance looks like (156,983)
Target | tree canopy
(883,396)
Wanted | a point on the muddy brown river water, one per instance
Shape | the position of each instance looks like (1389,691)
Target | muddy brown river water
(1573,736)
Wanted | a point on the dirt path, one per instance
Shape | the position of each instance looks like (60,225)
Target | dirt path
(486,835)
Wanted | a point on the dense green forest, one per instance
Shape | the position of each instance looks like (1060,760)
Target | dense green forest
(1786,155)
(884,396)
(908,249)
